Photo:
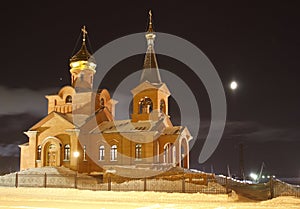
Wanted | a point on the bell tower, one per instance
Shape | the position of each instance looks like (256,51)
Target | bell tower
(83,67)
(150,97)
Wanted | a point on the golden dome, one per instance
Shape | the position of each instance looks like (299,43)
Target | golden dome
(83,55)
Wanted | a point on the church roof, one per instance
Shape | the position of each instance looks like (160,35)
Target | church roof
(159,127)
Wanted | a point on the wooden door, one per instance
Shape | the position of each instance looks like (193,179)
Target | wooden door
(52,155)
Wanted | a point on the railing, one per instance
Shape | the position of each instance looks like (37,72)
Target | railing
(114,183)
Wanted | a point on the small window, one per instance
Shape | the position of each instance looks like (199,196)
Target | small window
(101,152)
(167,153)
(113,153)
(67,152)
(138,151)
(145,105)
(39,152)
(69,99)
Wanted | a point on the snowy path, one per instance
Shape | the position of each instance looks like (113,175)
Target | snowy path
(41,198)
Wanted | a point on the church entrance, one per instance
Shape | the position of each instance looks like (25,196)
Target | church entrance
(51,151)
(51,155)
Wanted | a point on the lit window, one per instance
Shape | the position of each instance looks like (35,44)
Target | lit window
(101,152)
(67,152)
(84,153)
(138,151)
(39,152)
(113,153)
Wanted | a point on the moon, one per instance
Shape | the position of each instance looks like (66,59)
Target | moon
(233,85)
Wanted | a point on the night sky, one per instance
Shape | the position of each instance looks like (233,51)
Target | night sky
(255,43)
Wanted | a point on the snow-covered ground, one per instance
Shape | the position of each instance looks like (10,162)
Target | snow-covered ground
(48,198)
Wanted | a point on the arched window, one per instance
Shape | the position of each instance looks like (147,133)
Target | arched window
(167,153)
(138,151)
(162,106)
(67,152)
(69,99)
(84,153)
(39,152)
(113,153)
(145,105)
(101,152)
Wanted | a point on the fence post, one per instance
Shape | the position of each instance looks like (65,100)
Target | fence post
(227,185)
(16,182)
(183,184)
(109,183)
(145,184)
(45,180)
(271,187)
(75,180)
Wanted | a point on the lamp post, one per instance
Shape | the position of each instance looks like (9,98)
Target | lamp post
(76,155)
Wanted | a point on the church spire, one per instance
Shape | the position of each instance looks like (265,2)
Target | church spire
(150,69)
(83,65)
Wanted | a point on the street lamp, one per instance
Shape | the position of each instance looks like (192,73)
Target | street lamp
(76,154)
(254,176)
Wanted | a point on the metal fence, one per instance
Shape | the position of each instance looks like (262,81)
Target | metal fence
(281,188)
(114,183)
(259,191)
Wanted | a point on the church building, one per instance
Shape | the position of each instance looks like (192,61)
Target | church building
(80,131)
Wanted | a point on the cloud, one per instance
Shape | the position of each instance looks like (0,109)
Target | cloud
(22,100)
(9,150)
(256,132)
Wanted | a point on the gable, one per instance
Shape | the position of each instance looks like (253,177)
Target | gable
(52,120)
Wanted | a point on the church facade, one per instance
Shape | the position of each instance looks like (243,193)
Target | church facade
(80,131)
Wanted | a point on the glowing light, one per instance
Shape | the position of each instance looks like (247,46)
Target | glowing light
(76,154)
(253,176)
(233,85)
